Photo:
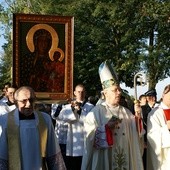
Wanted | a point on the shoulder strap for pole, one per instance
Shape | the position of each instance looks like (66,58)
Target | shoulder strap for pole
(13,139)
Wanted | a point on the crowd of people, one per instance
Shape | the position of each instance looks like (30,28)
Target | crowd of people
(85,134)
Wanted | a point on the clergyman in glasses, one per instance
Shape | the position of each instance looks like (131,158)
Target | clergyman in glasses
(27,137)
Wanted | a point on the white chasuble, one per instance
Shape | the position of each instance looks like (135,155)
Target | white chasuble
(125,153)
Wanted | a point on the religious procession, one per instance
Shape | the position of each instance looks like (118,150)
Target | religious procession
(84,135)
(62,105)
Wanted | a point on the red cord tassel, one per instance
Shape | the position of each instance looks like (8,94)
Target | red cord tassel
(109,135)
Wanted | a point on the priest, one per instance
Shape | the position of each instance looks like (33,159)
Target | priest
(27,138)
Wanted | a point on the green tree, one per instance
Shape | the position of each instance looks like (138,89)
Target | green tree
(155,23)
(6,56)
(131,33)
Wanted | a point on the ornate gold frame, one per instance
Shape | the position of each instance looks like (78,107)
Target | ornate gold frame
(61,29)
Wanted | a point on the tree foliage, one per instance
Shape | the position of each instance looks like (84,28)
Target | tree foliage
(132,33)
(156,23)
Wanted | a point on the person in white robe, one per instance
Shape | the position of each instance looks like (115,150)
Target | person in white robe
(3,97)
(74,114)
(9,105)
(27,137)
(112,141)
(158,134)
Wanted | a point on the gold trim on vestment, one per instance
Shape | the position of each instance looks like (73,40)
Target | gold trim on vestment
(42,127)
(13,138)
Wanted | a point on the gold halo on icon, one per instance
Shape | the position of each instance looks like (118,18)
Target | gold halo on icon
(60,51)
(54,35)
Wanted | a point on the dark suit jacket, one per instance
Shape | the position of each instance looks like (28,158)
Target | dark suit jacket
(145,111)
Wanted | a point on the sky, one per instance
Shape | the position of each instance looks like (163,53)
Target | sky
(2,41)
(140,89)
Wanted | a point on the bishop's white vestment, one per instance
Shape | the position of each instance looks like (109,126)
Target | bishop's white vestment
(124,154)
